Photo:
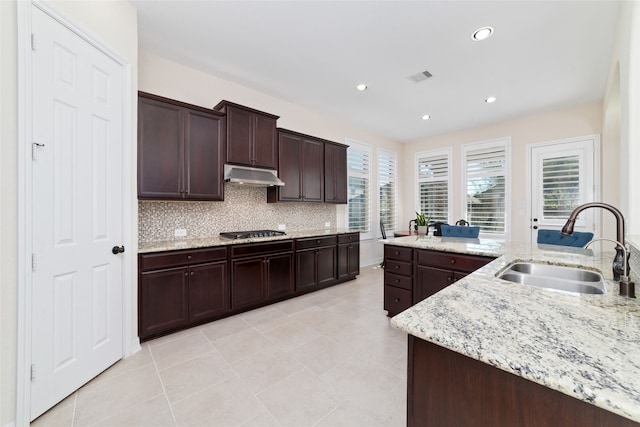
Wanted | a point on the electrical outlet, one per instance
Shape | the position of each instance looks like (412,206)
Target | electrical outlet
(282,227)
(180,232)
(327,224)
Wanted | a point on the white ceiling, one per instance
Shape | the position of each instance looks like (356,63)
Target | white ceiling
(544,55)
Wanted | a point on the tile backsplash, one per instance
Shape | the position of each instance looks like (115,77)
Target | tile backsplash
(244,208)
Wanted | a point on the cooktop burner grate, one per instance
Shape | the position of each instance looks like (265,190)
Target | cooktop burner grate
(251,234)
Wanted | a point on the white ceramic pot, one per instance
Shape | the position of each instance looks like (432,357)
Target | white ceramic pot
(423,229)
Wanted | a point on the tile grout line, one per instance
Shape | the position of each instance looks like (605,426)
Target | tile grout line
(164,390)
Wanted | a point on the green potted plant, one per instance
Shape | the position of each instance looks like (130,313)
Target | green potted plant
(421,222)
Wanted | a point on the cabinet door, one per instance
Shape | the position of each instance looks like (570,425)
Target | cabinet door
(208,291)
(335,173)
(265,143)
(204,148)
(312,171)
(343,261)
(326,258)
(239,138)
(354,259)
(247,282)
(306,269)
(163,301)
(280,275)
(160,150)
(289,167)
(430,280)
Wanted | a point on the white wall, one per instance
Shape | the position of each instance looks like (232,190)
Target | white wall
(550,126)
(621,108)
(113,24)
(167,78)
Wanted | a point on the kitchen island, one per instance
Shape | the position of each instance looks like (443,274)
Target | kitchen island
(553,345)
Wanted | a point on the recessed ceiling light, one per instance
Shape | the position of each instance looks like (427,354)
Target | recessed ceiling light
(361,87)
(426,117)
(490,100)
(482,33)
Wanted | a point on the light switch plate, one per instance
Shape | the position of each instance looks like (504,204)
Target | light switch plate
(282,227)
(327,224)
(180,232)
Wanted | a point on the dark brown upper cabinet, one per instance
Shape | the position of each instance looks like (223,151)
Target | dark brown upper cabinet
(180,150)
(301,167)
(335,173)
(251,136)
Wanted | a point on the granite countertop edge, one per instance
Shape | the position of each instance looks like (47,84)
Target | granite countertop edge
(580,345)
(205,242)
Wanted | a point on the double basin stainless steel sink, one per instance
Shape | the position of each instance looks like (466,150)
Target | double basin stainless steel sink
(561,278)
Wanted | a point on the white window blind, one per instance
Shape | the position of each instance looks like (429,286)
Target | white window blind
(486,181)
(387,187)
(359,178)
(560,186)
(434,183)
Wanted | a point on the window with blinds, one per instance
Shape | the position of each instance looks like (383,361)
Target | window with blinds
(387,187)
(434,183)
(359,178)
(486,172)
(560,186)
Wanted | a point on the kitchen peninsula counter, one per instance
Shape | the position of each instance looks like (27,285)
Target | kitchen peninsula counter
(205,242)
(585,346)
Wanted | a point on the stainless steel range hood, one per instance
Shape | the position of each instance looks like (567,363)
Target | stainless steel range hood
(253,177)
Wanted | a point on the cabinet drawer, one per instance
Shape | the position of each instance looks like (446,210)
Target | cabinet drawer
(398,281)
(396,300)
(316,242)
(256,249)
(349,238)
(397,252)
(174,258)
(452,261)
(398,267)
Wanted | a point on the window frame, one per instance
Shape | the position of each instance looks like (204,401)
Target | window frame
(394,180)
(505,144)
(355,145)
(448,152)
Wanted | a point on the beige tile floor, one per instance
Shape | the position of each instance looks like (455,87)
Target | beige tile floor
(325,359)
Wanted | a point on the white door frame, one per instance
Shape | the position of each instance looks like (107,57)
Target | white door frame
(596,174)
(131,343)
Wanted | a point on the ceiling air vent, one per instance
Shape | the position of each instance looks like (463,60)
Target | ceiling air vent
(420,77)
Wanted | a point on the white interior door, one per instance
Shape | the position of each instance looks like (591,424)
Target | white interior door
(76,322)
(562,177)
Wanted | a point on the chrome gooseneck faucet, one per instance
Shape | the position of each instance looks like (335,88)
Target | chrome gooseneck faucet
(620,264)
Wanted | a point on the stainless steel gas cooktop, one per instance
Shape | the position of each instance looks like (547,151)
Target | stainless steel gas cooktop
(251,234)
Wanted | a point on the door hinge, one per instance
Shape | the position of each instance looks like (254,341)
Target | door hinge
(33,372)
(34,262)
(34,41)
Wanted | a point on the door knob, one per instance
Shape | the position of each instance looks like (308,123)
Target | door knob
(117,250)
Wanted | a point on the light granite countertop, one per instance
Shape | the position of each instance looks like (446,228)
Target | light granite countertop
(172,245)
(586,346)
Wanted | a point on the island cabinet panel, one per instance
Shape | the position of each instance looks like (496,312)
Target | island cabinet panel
(335,173)
(445,388)
(398,279)
(178,289)
(435,270)
(260,273)
(251,136)
(180,150)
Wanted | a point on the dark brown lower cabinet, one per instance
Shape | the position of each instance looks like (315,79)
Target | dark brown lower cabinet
(445,388)
(316,262)
(177,289)
(261,273)
(348,256)
(208,291)
(163,301)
